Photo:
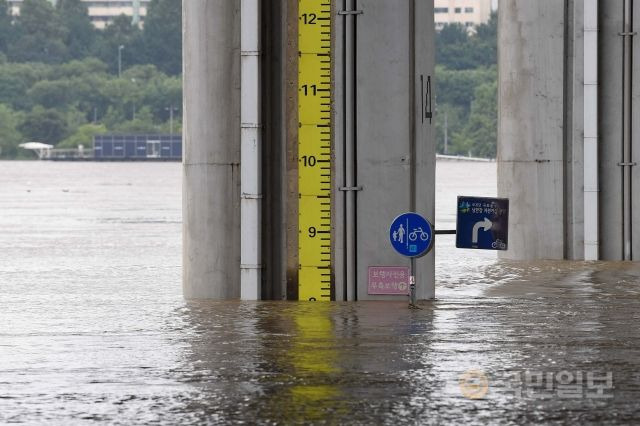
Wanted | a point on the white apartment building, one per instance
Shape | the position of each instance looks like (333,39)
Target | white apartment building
(102,12)
(14,6)
(466,12)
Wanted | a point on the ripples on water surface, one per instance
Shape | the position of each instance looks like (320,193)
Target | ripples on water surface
(93,325)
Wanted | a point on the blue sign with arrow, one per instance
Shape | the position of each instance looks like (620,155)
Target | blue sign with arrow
(483,223)
(411,235)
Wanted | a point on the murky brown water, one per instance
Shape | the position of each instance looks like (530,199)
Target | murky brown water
(93,326)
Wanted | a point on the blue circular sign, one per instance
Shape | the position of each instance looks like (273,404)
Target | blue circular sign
(411,235)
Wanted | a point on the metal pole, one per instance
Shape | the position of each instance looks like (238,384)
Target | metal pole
(250,151)
(171,109)
(350,142)
(591,180)
(412,283)
(626,129)
(412,143)
(171,120)
(120,60)
(446,134)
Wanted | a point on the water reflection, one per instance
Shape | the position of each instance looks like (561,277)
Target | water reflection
(297,362)
(380,362)
(367,362)
(273,361)
(311,360)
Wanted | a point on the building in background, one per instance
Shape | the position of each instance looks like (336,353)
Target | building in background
(14,6)
(466,12)
(143,147)
(102,12)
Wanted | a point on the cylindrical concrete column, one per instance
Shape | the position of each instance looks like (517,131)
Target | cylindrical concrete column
(531,127)
(211,154)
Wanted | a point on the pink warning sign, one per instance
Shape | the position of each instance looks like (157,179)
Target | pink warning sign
(388,280)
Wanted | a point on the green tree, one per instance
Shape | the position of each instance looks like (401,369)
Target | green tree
(163,93)
(85,81)
(479,136)
(57,73)
(163,35)
(458,49)
(142,123)
(74,118)
(41,34)
(79,68)
(120,33)
(51,94)
(457,87)
(455,119)
(120,95)
(10,136)
(452,47)
(44,125)
(143,73)
(15,81)
(465,88)
(88,95)
(83,136)
(81,34)
(484,43)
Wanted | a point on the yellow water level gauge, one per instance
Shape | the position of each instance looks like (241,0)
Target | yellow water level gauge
(314,149)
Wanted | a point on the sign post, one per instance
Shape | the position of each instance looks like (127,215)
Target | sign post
(411,235)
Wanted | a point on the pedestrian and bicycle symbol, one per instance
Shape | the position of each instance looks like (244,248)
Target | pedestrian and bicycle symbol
(411,235)
(398,235)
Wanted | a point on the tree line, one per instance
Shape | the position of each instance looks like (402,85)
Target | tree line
(466,89)
(62,80)
(59,81)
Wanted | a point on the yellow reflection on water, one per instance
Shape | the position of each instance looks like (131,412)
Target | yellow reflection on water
(313,357)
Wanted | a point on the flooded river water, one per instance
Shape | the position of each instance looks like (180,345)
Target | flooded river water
(93,326)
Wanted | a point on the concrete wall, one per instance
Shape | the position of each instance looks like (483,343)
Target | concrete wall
(211,151)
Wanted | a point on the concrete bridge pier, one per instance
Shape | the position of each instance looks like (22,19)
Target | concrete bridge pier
(567,128)
(211,152)
(245,133)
